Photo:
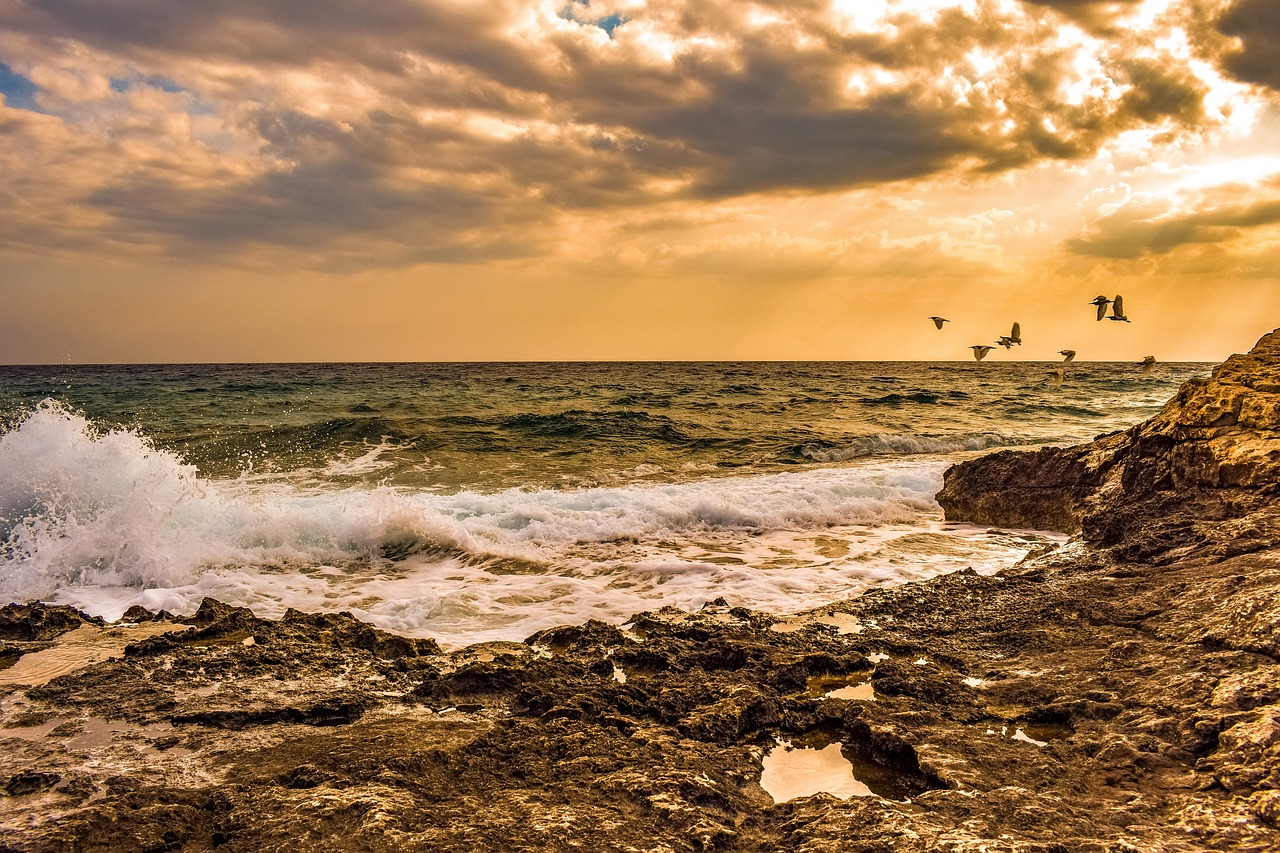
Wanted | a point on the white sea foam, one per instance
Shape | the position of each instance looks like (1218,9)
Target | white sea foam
(102,520)
(899,444)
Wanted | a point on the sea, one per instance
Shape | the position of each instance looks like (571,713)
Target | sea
(486,501)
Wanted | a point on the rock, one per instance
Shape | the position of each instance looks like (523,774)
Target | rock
(1201,476)
(1044,489)
(36,621)
(30,782)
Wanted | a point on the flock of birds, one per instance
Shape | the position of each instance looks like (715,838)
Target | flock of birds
(1058,374)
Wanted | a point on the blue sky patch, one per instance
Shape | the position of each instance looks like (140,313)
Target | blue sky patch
(18,91)
(164,84)
(608,23)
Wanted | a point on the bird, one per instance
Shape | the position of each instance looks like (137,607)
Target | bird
(980,351)
(938,321)
(1148,365)
(1005,341)
(1056,376)
(1102,302)
(1016,335)
(1117,309)
(1067,354)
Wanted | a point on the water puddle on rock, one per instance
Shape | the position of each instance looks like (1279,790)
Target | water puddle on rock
(1036,734)
(856,685)
(844,623)
(825,760)
(792,772)
(77,649)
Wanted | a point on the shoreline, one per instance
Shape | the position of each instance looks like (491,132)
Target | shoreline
(1116,692)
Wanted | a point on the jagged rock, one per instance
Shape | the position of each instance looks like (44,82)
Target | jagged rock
(36,621)
(1203,475)
(30,782)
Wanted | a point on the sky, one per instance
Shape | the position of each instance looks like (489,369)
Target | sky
(454,180)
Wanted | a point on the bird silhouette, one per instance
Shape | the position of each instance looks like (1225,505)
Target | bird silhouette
(1016,335)
(1117,309)
(1005,341)
(980,351)
(1067,354)
(1102,302)
(1148,365)
(938,321)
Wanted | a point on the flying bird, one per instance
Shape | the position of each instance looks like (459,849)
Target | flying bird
(1016,335)
(980,351)
(938,321)
(1067,354)
(1102,302)
(1117,309)
(1148,365)
(1056,376)
(1005,341)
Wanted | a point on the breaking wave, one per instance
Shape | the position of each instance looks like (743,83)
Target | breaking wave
(81,506)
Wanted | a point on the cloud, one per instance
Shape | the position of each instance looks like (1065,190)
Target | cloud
(1146,224)
(1095,15)
(335,135)
(773,255)
(1256,23)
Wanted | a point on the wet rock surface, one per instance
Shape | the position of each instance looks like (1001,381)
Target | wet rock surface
(1111,695)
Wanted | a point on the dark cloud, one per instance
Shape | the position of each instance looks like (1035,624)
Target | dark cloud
(1095,15)
(1257,24)
(411,129)
(340,196)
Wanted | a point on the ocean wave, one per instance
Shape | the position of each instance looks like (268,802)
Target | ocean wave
(898,444)
(317,437)
(81,506)
(587,424)
(930,398)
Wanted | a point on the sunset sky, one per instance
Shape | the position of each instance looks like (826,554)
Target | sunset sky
(321,180)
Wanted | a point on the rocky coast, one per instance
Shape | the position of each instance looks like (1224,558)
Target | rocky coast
(1120,692)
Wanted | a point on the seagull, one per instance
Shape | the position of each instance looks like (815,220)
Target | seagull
(1056,376)
(1016,335)
(1148,365)
(1005,341)
(938,321)
(979,351)
(1102,302)
(1067,354)
(1117,310)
